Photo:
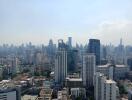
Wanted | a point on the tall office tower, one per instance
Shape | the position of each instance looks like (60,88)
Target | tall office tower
(61,63)
(88,69)
(70,42)
(50,48)
(120,53)
(94,47)
(104,52)
(62,45)
(72,60)
(105,89)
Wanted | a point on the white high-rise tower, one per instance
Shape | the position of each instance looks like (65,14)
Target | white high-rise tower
(61,64)
(105,89)
(88,69)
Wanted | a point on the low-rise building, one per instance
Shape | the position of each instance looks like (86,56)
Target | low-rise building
(29,97)
(63,95)
(45,94)
(8,91)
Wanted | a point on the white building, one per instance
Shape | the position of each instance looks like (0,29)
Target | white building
(88,69)
(113,71)
(109,90)
(105,89)
(61,66)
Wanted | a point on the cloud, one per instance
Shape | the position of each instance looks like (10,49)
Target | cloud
(112,31)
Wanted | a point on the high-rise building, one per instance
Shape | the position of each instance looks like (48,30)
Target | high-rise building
(104,52)
(70,42)
(94,47)
(51,48)
(72,60)
(130,94)
(120,53)
(62,45)
(61,64)
(105,89)
(88,69)
(129,63)
(115,72)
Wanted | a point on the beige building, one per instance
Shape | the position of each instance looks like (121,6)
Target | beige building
(45,94)
(63,95)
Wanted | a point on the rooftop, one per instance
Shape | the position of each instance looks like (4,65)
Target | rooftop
(108,65)
(74,79)
(110,81)
(29,97)
(62,94)
(121,66)
(46,92)
(6,85)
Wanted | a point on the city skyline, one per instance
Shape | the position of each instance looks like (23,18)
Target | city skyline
(38,21)
(65,49)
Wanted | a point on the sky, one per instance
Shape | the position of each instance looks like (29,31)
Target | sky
(37,21)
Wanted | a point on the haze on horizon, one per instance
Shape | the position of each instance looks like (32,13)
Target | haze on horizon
(38,21)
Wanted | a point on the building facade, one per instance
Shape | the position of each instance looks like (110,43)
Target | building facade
(76,92)
(94,47)
(70,42)
(88,69)
(105,89)
(129,63)
(115,72)
(61,64)
(9,91)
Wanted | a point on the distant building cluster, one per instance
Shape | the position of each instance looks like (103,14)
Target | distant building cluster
(66,72)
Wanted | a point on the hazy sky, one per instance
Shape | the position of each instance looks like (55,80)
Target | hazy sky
(39,20)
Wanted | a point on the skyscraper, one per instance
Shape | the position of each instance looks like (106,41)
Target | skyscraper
(70,42)
(62,45)
(61,63)
(120,53)
(94,47)
(104,52)
(72,60)
(88,69)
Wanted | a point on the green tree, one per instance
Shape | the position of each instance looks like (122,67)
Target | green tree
(122,90)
